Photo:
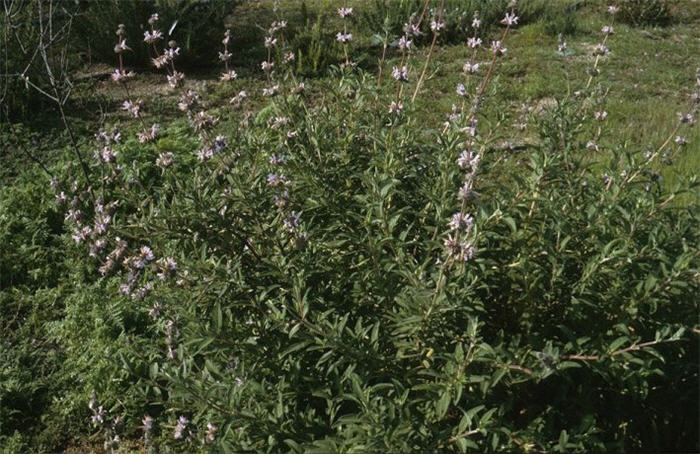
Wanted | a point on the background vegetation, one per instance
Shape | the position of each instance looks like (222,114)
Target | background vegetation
(572,329)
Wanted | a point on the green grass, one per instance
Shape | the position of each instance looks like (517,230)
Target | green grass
(649,75)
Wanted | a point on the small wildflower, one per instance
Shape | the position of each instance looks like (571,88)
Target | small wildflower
(121,47)
(121,76)
(562,47)
(172,52)
(612,9)
(211,433)
(277,26)
(229,76)
(343,37)
(404,43)
(412,29)
(153,19)
(180,427)
(468,159)
(474,42)
(466,193)
(225,55)
(150,135)
(468,251)
(436,26)
(476,22)
(274,179)
(461,90)
(608,30)
(107,155)
(686,118)
(271,91)
(277,160)
(147,422)
(239,98)
(61,198)
(400,74)
(267,65)
(165,160)
(175,79)
(292,222)
(301,87)
(132,107)
(461,221)
(203,121)
(510,19)
(99,415)
(150,37)
(681,141)
(470,68)
(289,57)
(396,108)
(281,199)
(601,49)
(345,12)
(159,61)
(227,38)
(600,116)
(188,100)
(497,48)
(270,42)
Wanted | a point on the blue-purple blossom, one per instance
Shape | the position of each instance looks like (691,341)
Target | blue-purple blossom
(180,427)
(461,221)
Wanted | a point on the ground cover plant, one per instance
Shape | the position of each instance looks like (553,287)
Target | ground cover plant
(382,249)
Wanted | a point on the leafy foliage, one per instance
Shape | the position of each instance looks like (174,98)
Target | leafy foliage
(282,280)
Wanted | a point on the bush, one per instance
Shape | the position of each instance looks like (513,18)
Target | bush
(646,12)
(339,275)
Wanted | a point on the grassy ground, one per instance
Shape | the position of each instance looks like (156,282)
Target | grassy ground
(649,74)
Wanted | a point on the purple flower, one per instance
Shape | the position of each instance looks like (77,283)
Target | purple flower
(270,41)
(601,49)
(461,90)
(510,19)
(175,79)
(400,74)
(474,42)
(468,159)
(165,160)
(405,43)
(211,433)
(497,48)
(436,25)
(396,108)
(461,221)
(292,222)
(150,37)
(271,91)
(274,179)
(344,12)
(121,76)
(470,68)
(180,427)
(343,37)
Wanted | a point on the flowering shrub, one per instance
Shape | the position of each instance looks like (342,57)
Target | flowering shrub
(339,276)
